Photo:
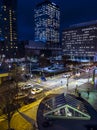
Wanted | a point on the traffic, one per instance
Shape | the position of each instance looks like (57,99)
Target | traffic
(35,88)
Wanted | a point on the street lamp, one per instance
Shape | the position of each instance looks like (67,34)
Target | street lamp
(88,76)
(9,67)
(23,68)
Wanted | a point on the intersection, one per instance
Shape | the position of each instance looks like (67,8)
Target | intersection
(54,85)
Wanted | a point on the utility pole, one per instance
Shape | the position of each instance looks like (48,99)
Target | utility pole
(88,77)
(94,77)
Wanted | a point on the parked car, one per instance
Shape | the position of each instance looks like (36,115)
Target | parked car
(36,90)
(19,96)
(29,100)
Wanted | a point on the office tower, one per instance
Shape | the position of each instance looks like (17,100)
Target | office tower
(80,42)
(8,28)
(47,23)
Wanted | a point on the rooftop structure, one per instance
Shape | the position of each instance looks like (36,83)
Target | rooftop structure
(65,111)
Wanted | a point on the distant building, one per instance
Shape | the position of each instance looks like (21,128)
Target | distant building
(80,42)
(34,48)
(8,29)
(40,48)
(21,48)
(47,23)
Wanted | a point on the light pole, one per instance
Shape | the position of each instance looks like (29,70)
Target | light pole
(88,76)
(94,77)
(9,67)
(67,83)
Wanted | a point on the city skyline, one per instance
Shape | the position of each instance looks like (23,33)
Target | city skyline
(72,12)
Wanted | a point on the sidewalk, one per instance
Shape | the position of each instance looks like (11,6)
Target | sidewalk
(90,96)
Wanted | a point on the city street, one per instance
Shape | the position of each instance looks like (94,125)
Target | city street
(48,48)
(56,81)
(54,85)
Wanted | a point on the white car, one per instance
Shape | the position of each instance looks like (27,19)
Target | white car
(36,90)
(27,86)
(66,75)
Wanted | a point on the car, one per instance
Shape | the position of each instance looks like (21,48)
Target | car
(66,75)
(43,78)
(28,100)
(36,90)
(19,96)
(28,86)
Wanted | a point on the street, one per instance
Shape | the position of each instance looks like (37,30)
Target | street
(54,85)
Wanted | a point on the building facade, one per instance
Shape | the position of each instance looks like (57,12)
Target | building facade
(80,42)
(40,48)
(8,29)
(47,23)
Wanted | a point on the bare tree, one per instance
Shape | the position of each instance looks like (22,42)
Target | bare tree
(8,90)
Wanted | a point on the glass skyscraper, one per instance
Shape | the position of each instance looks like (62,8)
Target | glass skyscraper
(8,29)
(47,23)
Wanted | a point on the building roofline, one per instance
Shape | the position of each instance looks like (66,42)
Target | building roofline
(81,25)
(84,23)
(47,2)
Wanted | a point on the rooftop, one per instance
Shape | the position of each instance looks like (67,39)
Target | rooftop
(66,112)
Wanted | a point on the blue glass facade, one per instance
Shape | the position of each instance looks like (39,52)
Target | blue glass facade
(47,22)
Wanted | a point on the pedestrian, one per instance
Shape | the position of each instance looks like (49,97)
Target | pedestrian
(61,83)
(88,92)
(76,90)
(78,106)
(79,94)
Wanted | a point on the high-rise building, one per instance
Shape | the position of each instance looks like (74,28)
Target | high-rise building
(8,28)
(47,23)
(80,42)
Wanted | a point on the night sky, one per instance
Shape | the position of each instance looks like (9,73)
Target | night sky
(72,12)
